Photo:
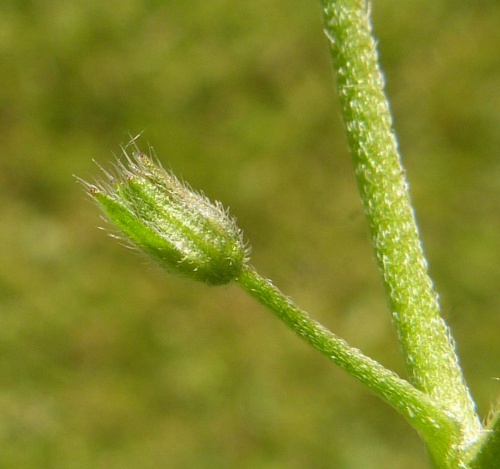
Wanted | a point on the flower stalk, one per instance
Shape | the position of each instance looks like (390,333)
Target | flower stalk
(429,418)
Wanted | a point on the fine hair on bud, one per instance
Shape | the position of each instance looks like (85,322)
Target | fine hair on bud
(178,227)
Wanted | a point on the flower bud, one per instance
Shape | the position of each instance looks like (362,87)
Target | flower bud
(179,228)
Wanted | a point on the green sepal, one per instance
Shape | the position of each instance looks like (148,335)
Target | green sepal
(179,228)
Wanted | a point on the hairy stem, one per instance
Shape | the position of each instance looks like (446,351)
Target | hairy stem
(436,427)
(424,337)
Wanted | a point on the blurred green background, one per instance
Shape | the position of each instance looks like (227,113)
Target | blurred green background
(105,361)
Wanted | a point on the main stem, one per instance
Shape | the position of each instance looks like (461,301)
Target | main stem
(424,337)
(437,428)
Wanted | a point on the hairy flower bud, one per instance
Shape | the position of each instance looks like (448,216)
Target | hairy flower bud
(179,228)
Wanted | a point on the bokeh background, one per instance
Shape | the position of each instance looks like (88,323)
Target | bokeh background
(106,361)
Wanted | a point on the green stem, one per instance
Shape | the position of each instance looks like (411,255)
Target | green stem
(436,427)
(424,337)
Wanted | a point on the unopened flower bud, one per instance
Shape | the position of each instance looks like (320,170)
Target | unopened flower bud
(179,228)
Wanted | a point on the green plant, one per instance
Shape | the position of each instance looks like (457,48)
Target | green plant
(187,234)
